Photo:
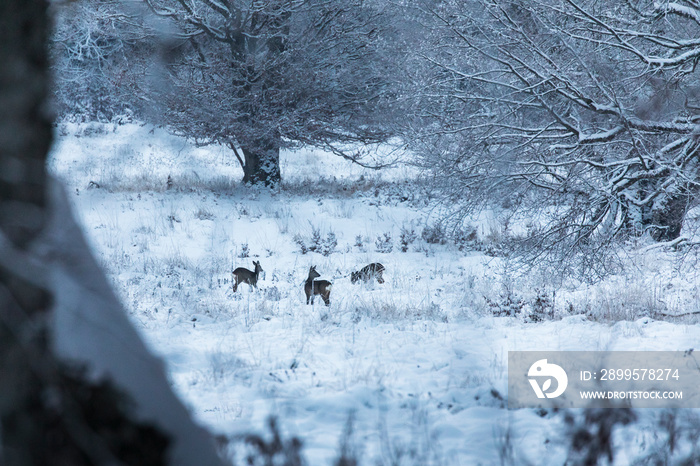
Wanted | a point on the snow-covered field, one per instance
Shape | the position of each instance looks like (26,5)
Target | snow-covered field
(419,362)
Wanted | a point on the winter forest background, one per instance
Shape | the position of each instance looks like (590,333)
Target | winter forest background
(526,172)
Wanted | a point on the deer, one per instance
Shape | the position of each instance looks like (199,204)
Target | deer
(368,272)
(243,275)
(313,287)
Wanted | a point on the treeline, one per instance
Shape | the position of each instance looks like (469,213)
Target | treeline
(583,115)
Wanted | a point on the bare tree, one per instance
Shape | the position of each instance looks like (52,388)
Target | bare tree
(100,51)
(78,385)
(257,76)
(590,105)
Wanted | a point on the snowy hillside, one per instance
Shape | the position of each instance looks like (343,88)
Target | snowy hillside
(419,363)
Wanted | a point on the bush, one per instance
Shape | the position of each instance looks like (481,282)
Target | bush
(542,306)
(508,304)
(434,234)
(273,294)
(315,242)
(592,439)
(329,244)
(360,243)
(384,243)
(467,238)
(258,451)
(299,240)
(408,236)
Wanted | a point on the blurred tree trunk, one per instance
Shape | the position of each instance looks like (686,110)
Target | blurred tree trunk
(25,127)
(25,137)
(77,385)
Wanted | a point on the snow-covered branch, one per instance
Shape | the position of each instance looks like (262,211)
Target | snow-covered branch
(581,102)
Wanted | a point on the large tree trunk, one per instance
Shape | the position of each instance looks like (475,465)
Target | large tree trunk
(262,162)
(663,220)
(667,217)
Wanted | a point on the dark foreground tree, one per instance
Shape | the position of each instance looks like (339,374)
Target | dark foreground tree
(257,76)
(78,385)
(588,110)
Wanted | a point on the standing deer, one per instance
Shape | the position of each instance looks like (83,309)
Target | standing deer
(368,272)
(243,275)
(313,287)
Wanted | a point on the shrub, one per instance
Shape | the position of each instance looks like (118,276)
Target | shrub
(273,294)
(259,451)
(203,214)
(434,234)
(315,242)
(468,238)
(542,306)
(299,240)
(384,243)
(360,243)
(408,236)
(329,244)
(592,438)
(508,304)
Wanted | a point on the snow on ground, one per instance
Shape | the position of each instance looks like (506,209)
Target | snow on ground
(419,362)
